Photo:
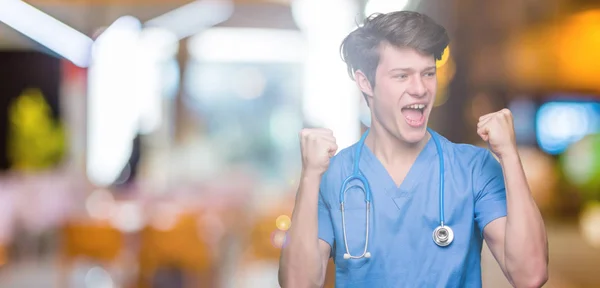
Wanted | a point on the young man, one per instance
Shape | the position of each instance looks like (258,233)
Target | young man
(392,59)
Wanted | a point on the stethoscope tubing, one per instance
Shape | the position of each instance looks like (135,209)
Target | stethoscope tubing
(443,239)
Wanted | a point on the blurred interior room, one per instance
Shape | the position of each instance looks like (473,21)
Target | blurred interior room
(149,143)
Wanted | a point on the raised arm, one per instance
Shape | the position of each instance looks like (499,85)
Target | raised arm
(518,241)
(304,258)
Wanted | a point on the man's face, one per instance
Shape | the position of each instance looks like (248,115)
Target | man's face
(404,93)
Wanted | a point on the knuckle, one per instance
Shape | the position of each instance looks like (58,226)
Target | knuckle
(303,133)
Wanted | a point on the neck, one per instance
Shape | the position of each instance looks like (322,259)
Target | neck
(391,150)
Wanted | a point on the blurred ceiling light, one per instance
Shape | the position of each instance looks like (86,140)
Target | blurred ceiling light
(330,98)
(125,28)
(323,17)
(127,80)
(385,6)
(51,33)
(258,45)
(113,117)
(156,47)
(159,43)
(251,83)
(189,19)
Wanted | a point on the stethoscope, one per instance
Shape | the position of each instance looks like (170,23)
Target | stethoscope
(442,235)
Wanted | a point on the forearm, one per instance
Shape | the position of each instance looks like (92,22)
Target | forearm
(525,246)
(300,263)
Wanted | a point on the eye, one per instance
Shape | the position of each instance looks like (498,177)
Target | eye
(401,76)
(430,74)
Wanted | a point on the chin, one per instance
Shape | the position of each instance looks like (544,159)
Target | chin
(413,135)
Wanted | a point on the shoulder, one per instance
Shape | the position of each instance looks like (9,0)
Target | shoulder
(466,154)
(476,162)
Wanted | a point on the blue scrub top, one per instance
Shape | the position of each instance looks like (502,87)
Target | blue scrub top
(403,218)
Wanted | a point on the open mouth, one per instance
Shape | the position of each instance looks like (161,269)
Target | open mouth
(414,114)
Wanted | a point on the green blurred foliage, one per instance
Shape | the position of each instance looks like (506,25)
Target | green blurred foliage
(36,141)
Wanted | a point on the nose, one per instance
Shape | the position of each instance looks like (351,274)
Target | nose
(416,87)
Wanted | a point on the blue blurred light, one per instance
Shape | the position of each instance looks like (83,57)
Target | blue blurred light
(524,114)
(560,124)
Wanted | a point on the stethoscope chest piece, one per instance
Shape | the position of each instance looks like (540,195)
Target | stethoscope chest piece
(443,235)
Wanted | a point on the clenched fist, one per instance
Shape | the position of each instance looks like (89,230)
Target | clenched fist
(498,131)
(317,146)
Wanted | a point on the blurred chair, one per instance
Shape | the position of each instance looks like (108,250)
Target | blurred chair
(179,250)
(3,255)
(96,241)
(265,244)
(330,275)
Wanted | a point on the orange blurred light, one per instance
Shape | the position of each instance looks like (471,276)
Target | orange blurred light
(283,222)
(2,255)
(577,50)
(560,56)
(445,57)
(542,176)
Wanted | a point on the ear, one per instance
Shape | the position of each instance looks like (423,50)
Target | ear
(363,83)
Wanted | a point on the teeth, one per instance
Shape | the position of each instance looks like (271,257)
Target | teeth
(416,106)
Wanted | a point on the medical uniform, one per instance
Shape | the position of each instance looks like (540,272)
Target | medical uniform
(403,218)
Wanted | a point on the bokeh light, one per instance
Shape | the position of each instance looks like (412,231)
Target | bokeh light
(283,222)
(576,47)
(581,165)
(183,160)
(165,216)
(98,277)
(250,83)
(590,224)
(542,176)
(446,69)
(128,217)
(100,204)
(561,123)
(445,57)
(2,255)
(278,238)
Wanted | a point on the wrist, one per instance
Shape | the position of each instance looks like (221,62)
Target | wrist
(311,175)
(510,156)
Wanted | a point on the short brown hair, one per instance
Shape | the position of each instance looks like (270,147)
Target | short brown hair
(360,49)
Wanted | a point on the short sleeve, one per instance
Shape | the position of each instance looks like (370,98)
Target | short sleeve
(490,200)
(325,223)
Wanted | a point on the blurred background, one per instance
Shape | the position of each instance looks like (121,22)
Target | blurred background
(148,143)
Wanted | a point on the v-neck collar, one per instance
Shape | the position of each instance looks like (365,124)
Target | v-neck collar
(378,171)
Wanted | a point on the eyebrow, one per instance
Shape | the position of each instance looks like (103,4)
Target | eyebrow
(411,69)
